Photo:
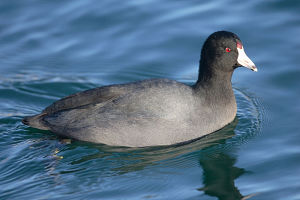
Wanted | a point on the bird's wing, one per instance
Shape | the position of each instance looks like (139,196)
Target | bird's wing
(92,96)
(102,94)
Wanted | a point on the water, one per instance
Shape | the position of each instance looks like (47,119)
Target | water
(50,49)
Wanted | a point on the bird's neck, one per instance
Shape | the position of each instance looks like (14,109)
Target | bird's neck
(215,80)
(215,87)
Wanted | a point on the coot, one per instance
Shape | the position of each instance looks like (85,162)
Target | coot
(156,111)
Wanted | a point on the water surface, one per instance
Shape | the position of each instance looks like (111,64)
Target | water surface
(50,49)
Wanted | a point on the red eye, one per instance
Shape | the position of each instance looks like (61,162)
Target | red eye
(228,49)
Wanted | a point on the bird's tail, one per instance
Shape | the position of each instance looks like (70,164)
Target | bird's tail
(36,121)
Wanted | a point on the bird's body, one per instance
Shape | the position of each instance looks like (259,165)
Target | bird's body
(144,113)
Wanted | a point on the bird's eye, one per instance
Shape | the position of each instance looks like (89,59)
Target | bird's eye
(227,49)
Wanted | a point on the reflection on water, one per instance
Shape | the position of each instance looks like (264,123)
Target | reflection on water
(219,174)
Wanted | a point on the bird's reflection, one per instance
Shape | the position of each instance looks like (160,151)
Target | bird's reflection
(219,174)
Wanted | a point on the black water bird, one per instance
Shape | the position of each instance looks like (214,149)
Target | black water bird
(156,111)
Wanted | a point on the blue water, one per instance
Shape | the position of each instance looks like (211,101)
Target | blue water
(50,49)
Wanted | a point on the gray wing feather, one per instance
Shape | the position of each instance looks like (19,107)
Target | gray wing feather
(92,96)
